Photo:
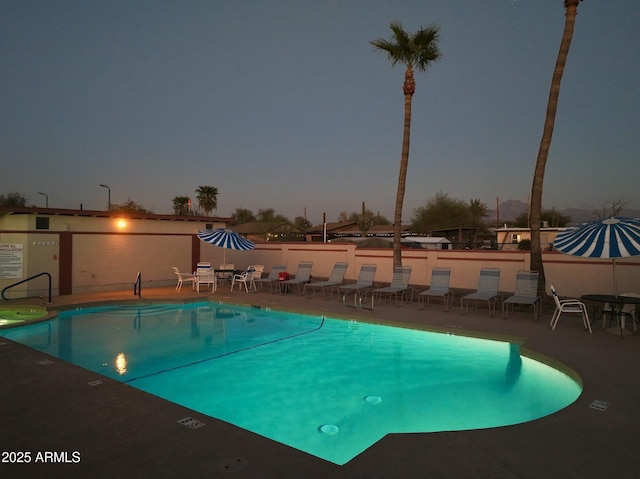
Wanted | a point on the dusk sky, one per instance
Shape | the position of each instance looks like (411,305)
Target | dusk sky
(286,105)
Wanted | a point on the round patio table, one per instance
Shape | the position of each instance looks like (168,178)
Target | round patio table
(617,302)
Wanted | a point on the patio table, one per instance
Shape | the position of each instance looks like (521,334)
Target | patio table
(617,302)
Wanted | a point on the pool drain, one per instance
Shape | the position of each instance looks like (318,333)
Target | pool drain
(329,429)
(373,399)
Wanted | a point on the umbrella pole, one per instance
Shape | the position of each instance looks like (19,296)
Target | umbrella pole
(615,283)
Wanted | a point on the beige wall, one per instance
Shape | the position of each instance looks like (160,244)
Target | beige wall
(106,257)
(107,254)
(571,276)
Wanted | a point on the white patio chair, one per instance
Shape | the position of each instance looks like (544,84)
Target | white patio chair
(182,278)
(205,275)
(569,306)
(245,278)
(258,269)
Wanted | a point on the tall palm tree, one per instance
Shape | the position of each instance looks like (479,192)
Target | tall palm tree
(207,198)
(535,208)
(417,51)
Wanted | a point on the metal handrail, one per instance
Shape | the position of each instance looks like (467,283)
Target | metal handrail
(137,286)
(24,281)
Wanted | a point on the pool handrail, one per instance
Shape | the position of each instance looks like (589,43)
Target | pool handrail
(24,281)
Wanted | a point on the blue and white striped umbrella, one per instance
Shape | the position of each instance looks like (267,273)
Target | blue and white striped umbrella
(615,237)
(227,239)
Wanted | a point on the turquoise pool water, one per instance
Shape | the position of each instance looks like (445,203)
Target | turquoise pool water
(329,387)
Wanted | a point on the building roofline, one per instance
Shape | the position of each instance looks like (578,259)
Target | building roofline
(26,210)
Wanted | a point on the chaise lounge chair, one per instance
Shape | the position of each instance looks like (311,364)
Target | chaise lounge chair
(440,279)
(362,284)
(336,279)
(526,293)
(488,285)
(399,286)
(303,276)
(273,278)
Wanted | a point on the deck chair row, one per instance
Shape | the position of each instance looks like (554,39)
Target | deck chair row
(399,289)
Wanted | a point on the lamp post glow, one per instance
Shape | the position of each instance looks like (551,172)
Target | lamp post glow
(46,199)
(109,196)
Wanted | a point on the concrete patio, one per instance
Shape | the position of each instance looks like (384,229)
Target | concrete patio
(119,431)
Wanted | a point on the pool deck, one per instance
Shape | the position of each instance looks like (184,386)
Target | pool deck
(119,431)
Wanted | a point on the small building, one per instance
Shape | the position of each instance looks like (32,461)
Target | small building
(508,238)
(437,242)
(83,251)
(350,229)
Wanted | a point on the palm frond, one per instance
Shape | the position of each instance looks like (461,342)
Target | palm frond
(419,49)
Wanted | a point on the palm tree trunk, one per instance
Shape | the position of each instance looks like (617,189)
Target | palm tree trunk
(409,88)
(535,211)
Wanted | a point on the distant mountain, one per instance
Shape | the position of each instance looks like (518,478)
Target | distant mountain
(511,209)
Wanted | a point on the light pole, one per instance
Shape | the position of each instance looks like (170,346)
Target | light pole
(46,199)
(109,196)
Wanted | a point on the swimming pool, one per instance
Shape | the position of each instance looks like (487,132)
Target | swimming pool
(328,387)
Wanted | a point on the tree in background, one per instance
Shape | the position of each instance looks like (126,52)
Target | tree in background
(571,10)
(129,207)
(207,197)
(181,205)
(302,223)
(365,220)
(417,51)
(376,219)
(13,199)
(610,208)
(440,212)
(444,213)
(552,217)
(269,215)
(241,216)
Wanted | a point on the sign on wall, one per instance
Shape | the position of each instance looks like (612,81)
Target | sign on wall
(11,260)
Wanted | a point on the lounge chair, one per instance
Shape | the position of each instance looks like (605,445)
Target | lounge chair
(526,293)
(245,278)
(182,278)
(572,306)
(273,278)
(303,276)
(399,286)
(488,285)
(205,275)
(335,279)
(440,279)
(363,284)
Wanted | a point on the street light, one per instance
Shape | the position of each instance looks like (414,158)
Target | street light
(109,197)
(46,199)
